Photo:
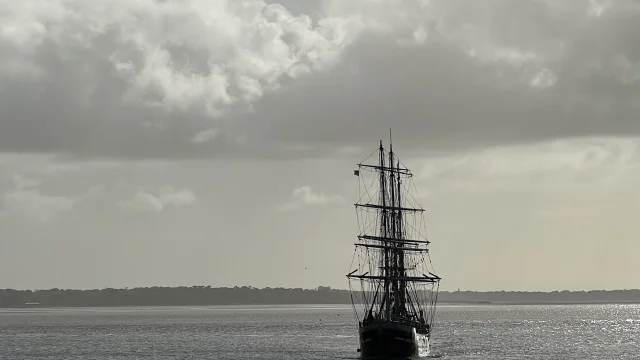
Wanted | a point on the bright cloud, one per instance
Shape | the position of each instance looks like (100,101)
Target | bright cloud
(173,54)
(26,199)
(558,164)
(157,199)
(305,196)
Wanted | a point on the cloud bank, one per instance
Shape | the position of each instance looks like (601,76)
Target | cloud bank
(603,163)
(194,78)
(91,77)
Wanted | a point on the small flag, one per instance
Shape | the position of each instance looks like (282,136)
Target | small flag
(356,172)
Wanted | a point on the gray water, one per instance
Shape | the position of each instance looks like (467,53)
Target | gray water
(313,332)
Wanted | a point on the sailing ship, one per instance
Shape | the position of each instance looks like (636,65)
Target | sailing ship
(393,287)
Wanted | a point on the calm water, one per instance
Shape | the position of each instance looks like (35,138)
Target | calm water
(313,332)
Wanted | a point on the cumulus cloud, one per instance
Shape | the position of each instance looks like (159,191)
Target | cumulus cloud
(305,196)
(173,54)
(145,66)
(166,79)
(26,200)
(157,199)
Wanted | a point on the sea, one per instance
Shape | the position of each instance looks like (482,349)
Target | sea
(309,332)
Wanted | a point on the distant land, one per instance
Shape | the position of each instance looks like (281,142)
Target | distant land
(246,295)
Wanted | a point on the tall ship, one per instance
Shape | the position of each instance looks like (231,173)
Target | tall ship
(393,287)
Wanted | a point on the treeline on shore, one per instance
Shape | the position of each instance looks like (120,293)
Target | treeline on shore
(246,295)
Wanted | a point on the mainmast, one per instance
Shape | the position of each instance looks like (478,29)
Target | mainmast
(396,270)
(385,234)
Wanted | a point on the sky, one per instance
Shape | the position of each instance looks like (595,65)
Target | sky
(213,142)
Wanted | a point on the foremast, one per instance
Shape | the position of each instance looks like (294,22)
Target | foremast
(393,288)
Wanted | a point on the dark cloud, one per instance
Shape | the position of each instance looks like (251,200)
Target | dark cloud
(438,96)
(461,75)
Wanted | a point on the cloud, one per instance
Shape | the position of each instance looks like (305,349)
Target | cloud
(474,75)
(126,70)
(597,163)
(204,136)
(157,199)
(304,196)
(175,79)
(27,200)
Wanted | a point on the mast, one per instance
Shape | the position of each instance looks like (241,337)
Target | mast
(394,231)
(403,283)
(384,232)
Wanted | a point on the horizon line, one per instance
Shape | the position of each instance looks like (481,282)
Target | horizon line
(318,288)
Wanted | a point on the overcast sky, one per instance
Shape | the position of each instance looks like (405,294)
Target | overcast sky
(200,142)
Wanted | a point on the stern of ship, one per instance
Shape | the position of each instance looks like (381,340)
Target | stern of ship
(389,340)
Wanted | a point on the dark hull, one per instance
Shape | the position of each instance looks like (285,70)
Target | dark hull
(386,340)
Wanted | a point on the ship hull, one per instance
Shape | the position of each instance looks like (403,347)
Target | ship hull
(386,340)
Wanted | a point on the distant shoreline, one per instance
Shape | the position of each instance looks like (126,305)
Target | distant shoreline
(242,296)
(295,304)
